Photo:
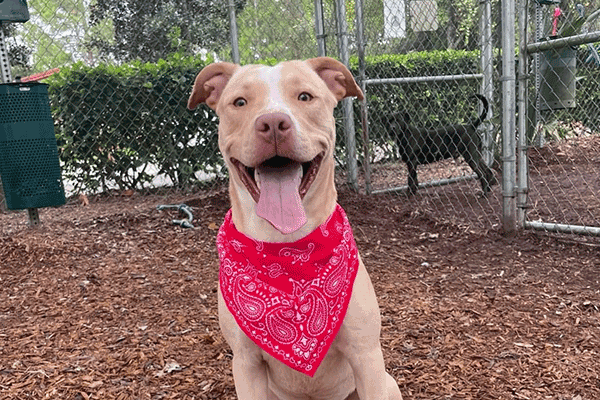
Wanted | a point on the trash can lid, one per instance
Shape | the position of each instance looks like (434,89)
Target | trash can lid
(14,11)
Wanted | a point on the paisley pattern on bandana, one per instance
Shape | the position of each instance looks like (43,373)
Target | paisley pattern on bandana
(290,298)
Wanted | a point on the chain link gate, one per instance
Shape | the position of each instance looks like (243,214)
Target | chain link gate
(559,178)
(420,68)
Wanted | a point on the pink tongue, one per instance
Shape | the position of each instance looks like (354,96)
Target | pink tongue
(279,201)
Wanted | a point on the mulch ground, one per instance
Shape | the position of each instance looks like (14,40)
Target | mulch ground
(111,301)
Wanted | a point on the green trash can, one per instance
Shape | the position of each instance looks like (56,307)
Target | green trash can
(14,11)
(558,69)
(29,165)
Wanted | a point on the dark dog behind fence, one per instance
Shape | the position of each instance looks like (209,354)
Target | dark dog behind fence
(419,146)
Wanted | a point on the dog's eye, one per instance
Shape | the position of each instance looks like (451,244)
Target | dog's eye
(304,96)
(240,102)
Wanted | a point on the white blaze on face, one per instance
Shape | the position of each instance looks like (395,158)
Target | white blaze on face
(275,101)
(279,201)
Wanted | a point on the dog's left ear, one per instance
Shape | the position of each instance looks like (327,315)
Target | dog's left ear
(337,77)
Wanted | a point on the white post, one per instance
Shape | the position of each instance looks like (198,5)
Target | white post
(6,78)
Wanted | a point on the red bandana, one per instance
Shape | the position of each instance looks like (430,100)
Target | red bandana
(290,298)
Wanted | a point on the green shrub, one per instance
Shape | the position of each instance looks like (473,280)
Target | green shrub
(122,126)
(118,125)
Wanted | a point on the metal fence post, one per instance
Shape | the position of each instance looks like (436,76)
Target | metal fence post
(360,47)
(522,103)
(4,61)
(487,67)
(348,114)
(320,29)
(235,47)
(539,31)
(509,214)
(6,78)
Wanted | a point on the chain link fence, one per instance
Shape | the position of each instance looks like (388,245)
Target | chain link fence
(561,192)
(119,102)
(424,63)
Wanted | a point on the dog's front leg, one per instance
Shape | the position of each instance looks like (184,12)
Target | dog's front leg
(249,366)
(358,340)
(369,377)
(250,377)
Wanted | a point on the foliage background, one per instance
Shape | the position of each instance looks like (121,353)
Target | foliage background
(125,125)
(127,68)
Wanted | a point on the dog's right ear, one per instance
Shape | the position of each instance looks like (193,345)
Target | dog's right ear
(337,77)
(209,84)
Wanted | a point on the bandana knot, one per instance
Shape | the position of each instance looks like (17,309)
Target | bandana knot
(290,298)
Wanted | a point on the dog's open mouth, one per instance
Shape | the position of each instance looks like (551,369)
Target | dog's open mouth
(248,175)
(278,186)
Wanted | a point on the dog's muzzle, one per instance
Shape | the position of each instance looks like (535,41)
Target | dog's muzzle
(278,186)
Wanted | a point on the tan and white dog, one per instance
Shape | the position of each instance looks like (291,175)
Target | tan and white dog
(277,136)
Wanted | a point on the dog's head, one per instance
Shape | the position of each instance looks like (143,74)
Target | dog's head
(277,134)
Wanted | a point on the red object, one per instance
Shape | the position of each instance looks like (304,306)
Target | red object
(40,76)
(290,298)
(557,13)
